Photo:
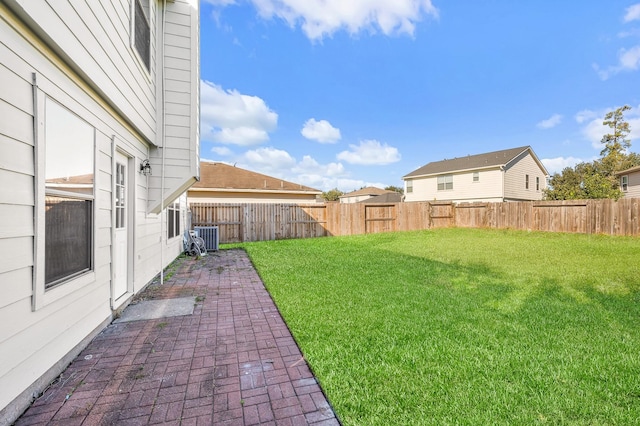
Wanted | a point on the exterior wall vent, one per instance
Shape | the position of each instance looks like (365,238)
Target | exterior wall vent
(210,236)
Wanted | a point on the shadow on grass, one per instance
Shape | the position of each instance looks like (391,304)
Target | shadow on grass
(395,335)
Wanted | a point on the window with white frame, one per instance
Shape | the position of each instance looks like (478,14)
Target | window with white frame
(173,220)
(537,183)
(445,182)
(69,194)
(624,183)
(409,186)
(476,176)
(526,181)
(141,31)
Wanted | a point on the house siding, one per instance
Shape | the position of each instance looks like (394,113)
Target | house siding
(93,38)
(514,180)
(633,190)
(488,188)
(356,199)
(37,337)
(181,113)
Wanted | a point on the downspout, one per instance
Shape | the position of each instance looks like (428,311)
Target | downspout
(504,175)
(162,227)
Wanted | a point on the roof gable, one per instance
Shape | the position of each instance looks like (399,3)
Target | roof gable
(223,176)
(370,190)
(470,162)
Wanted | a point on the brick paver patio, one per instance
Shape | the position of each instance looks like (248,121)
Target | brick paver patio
(233,362)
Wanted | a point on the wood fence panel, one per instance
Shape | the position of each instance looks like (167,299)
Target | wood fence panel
(561,216)
(441,214)
(257,222)
(632,220)
(379,218)
(229,218)
(412,216)
(471,215)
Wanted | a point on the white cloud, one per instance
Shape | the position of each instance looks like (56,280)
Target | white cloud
(221,3)
(310,166)
(279,163)
(633,13)
(320,131)
(550,122)
(221,150)
(585,115)
(556,165)
(594,130)
(628,60)
(269,160)
(319,18)
(231,117)
(370,152)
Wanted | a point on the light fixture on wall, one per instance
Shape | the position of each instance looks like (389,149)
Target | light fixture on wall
(145,167)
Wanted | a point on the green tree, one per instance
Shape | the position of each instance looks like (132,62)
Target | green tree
(394,188)
(566,185)
(332,195)
(616,143)
(598,179)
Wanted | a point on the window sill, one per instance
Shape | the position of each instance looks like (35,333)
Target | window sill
(62,290)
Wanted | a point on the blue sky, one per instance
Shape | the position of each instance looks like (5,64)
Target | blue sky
(353,93)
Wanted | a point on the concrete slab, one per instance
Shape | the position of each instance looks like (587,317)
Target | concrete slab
(154,309)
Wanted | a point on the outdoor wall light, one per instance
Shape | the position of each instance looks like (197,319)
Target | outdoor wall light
(145,167)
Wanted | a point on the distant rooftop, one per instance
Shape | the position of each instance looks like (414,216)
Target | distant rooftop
(478,161)
(215,175)
(370,190)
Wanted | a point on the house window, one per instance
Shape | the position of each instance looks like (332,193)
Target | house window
(409,186)
(624,183)
(476,176)
(173,220)
(142,31)
(69,194)
(526,181)
(445,182)
(537,183)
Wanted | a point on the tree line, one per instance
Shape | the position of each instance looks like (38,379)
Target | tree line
(598,179)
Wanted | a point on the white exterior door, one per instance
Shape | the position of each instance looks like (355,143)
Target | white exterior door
(121,244)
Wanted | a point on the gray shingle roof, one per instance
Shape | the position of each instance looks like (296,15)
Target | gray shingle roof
(389,197)
(478,161)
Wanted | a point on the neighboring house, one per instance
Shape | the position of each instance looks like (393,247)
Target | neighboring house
(222,183)
(362,194)
(91,92)
(514,174)
(630,182)
(387,197)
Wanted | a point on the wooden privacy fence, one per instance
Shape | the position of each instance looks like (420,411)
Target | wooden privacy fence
(259,222)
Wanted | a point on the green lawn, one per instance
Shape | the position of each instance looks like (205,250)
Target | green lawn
(460,326)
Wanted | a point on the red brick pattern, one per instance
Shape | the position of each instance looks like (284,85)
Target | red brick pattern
(233,362)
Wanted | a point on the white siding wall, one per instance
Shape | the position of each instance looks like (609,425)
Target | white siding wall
(32,342)
(488,188)
(179,63)
(633,190)
(93,38)
(514,187)
(355,199)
